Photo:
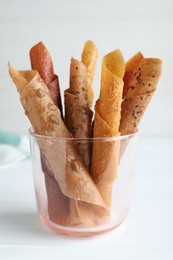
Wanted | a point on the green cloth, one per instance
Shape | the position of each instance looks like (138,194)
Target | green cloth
(13,147)
(9,138)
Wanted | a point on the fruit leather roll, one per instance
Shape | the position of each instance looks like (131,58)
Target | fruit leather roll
(89,59)
(105,154)
(68,170)
(78,116)
(42,62)
(140,82)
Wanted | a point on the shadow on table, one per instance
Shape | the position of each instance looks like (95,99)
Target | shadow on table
(27,224)
(24,222)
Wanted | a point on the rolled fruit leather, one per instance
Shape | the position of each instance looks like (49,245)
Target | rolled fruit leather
(78,120)
(106,124)
(78,116)
(42,62)
(70,173)
(89,59)
(140,82)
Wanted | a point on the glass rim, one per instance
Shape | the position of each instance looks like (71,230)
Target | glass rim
(90,139)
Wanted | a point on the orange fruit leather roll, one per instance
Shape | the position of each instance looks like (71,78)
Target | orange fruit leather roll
(42,62)
(70,173)
(106,124)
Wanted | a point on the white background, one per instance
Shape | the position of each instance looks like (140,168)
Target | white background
(64,26)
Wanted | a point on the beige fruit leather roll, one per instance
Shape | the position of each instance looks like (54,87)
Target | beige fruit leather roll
(140,82)
(70,173)
(139,87)
(78,116)
(89,59)
(105,154)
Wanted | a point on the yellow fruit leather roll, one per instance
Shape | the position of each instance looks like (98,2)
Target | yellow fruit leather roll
(89,59)
(106,124)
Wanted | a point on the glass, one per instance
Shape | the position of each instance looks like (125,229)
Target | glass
(69,201)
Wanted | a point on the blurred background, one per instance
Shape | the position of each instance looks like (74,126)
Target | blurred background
(64,26)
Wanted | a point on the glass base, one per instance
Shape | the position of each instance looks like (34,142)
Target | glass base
(81,230)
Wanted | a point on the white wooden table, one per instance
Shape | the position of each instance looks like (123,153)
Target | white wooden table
(147,233)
